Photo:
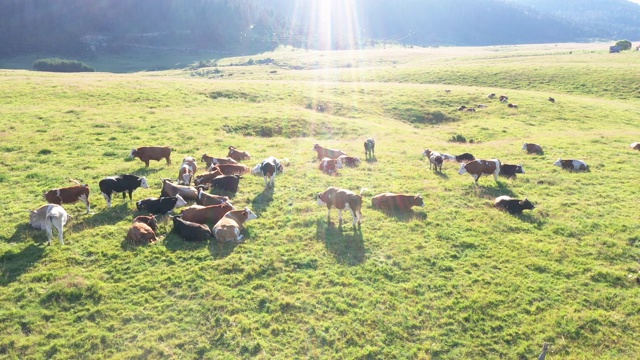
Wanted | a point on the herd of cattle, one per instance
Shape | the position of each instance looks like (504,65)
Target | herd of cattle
(226,173)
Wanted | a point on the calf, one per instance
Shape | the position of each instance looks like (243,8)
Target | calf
(162,205)
(509,171)
(190,231)
(207,178)
(513,206)
(211,161)
(435,159)
(227,182)
(147,153)
(465,157)
(230,227)
(205,199)
(330,166)
(171,189)
(477,168)
(238,155)
(121,184)
(635,146)
(390,201)
(342,199)
(46,217)
(69,195)
(572,165)
(206,214)
(231,169)
(532,148)
(350,161)
(141,233)
(268,168)
(369,148)
(327,153)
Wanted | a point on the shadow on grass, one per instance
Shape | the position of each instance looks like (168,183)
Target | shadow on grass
(144,171)
(404,215)
(104,217)
(441,175)
(173,242)
(221,251)
(262,201)
(22,231)
(216,191)
(348,248)
(372,159)
(493,191)
(13,265)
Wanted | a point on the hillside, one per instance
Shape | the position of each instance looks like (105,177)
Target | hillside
(454,279)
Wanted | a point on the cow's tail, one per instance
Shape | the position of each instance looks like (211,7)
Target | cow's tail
(78,182)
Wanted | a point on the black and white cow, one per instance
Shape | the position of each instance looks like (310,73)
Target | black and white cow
(121,184)
(268,168)
(509,171)
(162,205)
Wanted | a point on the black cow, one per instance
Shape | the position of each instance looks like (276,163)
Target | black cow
(162,205)
(191,231)
(510,171)
(466,157)
(227,182)
(513,206)
(121,184)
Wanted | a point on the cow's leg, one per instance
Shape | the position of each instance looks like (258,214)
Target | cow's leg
(168,160)
(266,182)
(85,200)
(49,231)
(340,216)
(495,174)
(273,180)
(146,163)
(60,227)
(130,198)
(107,198)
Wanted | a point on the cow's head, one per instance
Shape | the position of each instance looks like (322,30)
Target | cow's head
(526,204)
(558,163)
(257,170)
(143,183)
(524,147)
(140,205)
(247,214)
(320,199)
(418,201)
(463,169)
(133,153)
(180,202)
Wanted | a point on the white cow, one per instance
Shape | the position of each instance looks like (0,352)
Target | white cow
(48,216)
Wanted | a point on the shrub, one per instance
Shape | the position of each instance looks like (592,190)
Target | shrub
(624,44)
(61,65)
(458,138)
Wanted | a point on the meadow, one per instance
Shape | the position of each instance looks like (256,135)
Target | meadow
(456,279)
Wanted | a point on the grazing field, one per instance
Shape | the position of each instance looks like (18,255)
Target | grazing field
(454,279)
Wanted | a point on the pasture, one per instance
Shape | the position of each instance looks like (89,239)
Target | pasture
(452,280)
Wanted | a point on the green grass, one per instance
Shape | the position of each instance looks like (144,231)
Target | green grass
(455,279)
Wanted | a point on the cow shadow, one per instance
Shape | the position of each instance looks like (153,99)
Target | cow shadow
(348,248)
(493,192)
(404,215)
(371,159)
(144,171)
(105,217)
(262,200)
(173,242)
(220,192)
(13,265)
(441,175)
(22,231)
(222,251)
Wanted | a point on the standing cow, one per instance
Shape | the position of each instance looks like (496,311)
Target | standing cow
(69,195)
(121,184)
(47,217)
(342,199)
(268,168)
(147,153)
(477,168)
(369,148)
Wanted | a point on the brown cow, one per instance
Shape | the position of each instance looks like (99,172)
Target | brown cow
(205,214)
(147,153)
(211,161)
(477,168)
(390,201)
(69,195)
(230,227)
(238,155)
(342,199)
(330,166)
(207,178)
(187,170)
(141,233)
(205,199)
(231,169)
(327,153)
(149,220)
(532,148)
(171,189)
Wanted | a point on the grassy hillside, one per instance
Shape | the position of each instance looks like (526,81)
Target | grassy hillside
(455,279)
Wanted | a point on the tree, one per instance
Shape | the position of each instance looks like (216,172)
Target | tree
(624,44)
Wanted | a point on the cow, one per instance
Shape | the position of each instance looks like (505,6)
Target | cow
(635,146)
(447,91)
(231,169)
(513,106)
(447,157)
(206,214)
(464,157)
(390,201)
(227,182)
(330,166)
(513,206)
(238,155)
(171,189)
(162,205)
(230,227)
(205,199)
(477,168)
(121,184)
(491,96)
(69,195)
(48,216)
(268,168)
(435,159)
(141,233)
(147,153)
(190,231)
(462,108)
(187,170)
(211,161)
(504,98)
(149,220)
(551,99)
(351,161)
(572,165)
(369,148)
(509,171)
(481,106)
(470,109)
(532,148)
(327,153)
(342,199)
(206,178)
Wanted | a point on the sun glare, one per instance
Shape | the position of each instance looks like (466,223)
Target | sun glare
(332,24)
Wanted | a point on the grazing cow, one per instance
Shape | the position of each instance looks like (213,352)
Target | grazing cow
(513,106)
(141,233)
(462,108)
(470,109)
(435,159)
(481,106)
(162,205)
(447,91)
(513,206)
(369,148)
(532,148)
(230,227)
(491,96)
(268,168)
(149,220)
(552,99)
(205,214)
(504,98)
(390,201)
(572,165)
(48,216)
(187,170)
(121,184)
(227,182)
(231,169)
(205,199)
(211,161)
(477,168)
(190,231)
(69,195)
(465,157)
(510,171)
(342,199)
(330,166)
(351,161)
(147,153)
(238,155)
(327,153)
(171,189)
(206,178)
(635,146)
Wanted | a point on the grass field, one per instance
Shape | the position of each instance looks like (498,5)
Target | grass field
(456,279)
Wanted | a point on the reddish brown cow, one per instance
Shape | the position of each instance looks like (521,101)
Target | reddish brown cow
(149,220)
(205,199)
(330,166)
(229,228)
(147,153)
(532,148)
(69,195)
(238,155)
(207,178)
(205,214)
(477,168)
(141,233)
(327,153)
(342,199)
(390,201)
(232,169)
(211,161)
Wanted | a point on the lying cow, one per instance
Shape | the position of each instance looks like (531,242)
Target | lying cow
(572,165)
(230,227)
(551,99)
(231,169)
(206,214)
(238,155)
(635,146)
(46,217)
(504,98)
(351,161)
(190,231)
(477,168)
(212,161)
(69,195)
(268,168)
(464,157)
(149,220)
(342,199)
(207,178)
(513,206)
(143,230)
(187,170)
(330,166)
(369,148)
(491,96)
(327,153)
(121,184)
(435,159)
(509,171)
(205,199)
(390,201)
(162,205)
(147,153)
(227,183)
(532,148)
(171,189)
